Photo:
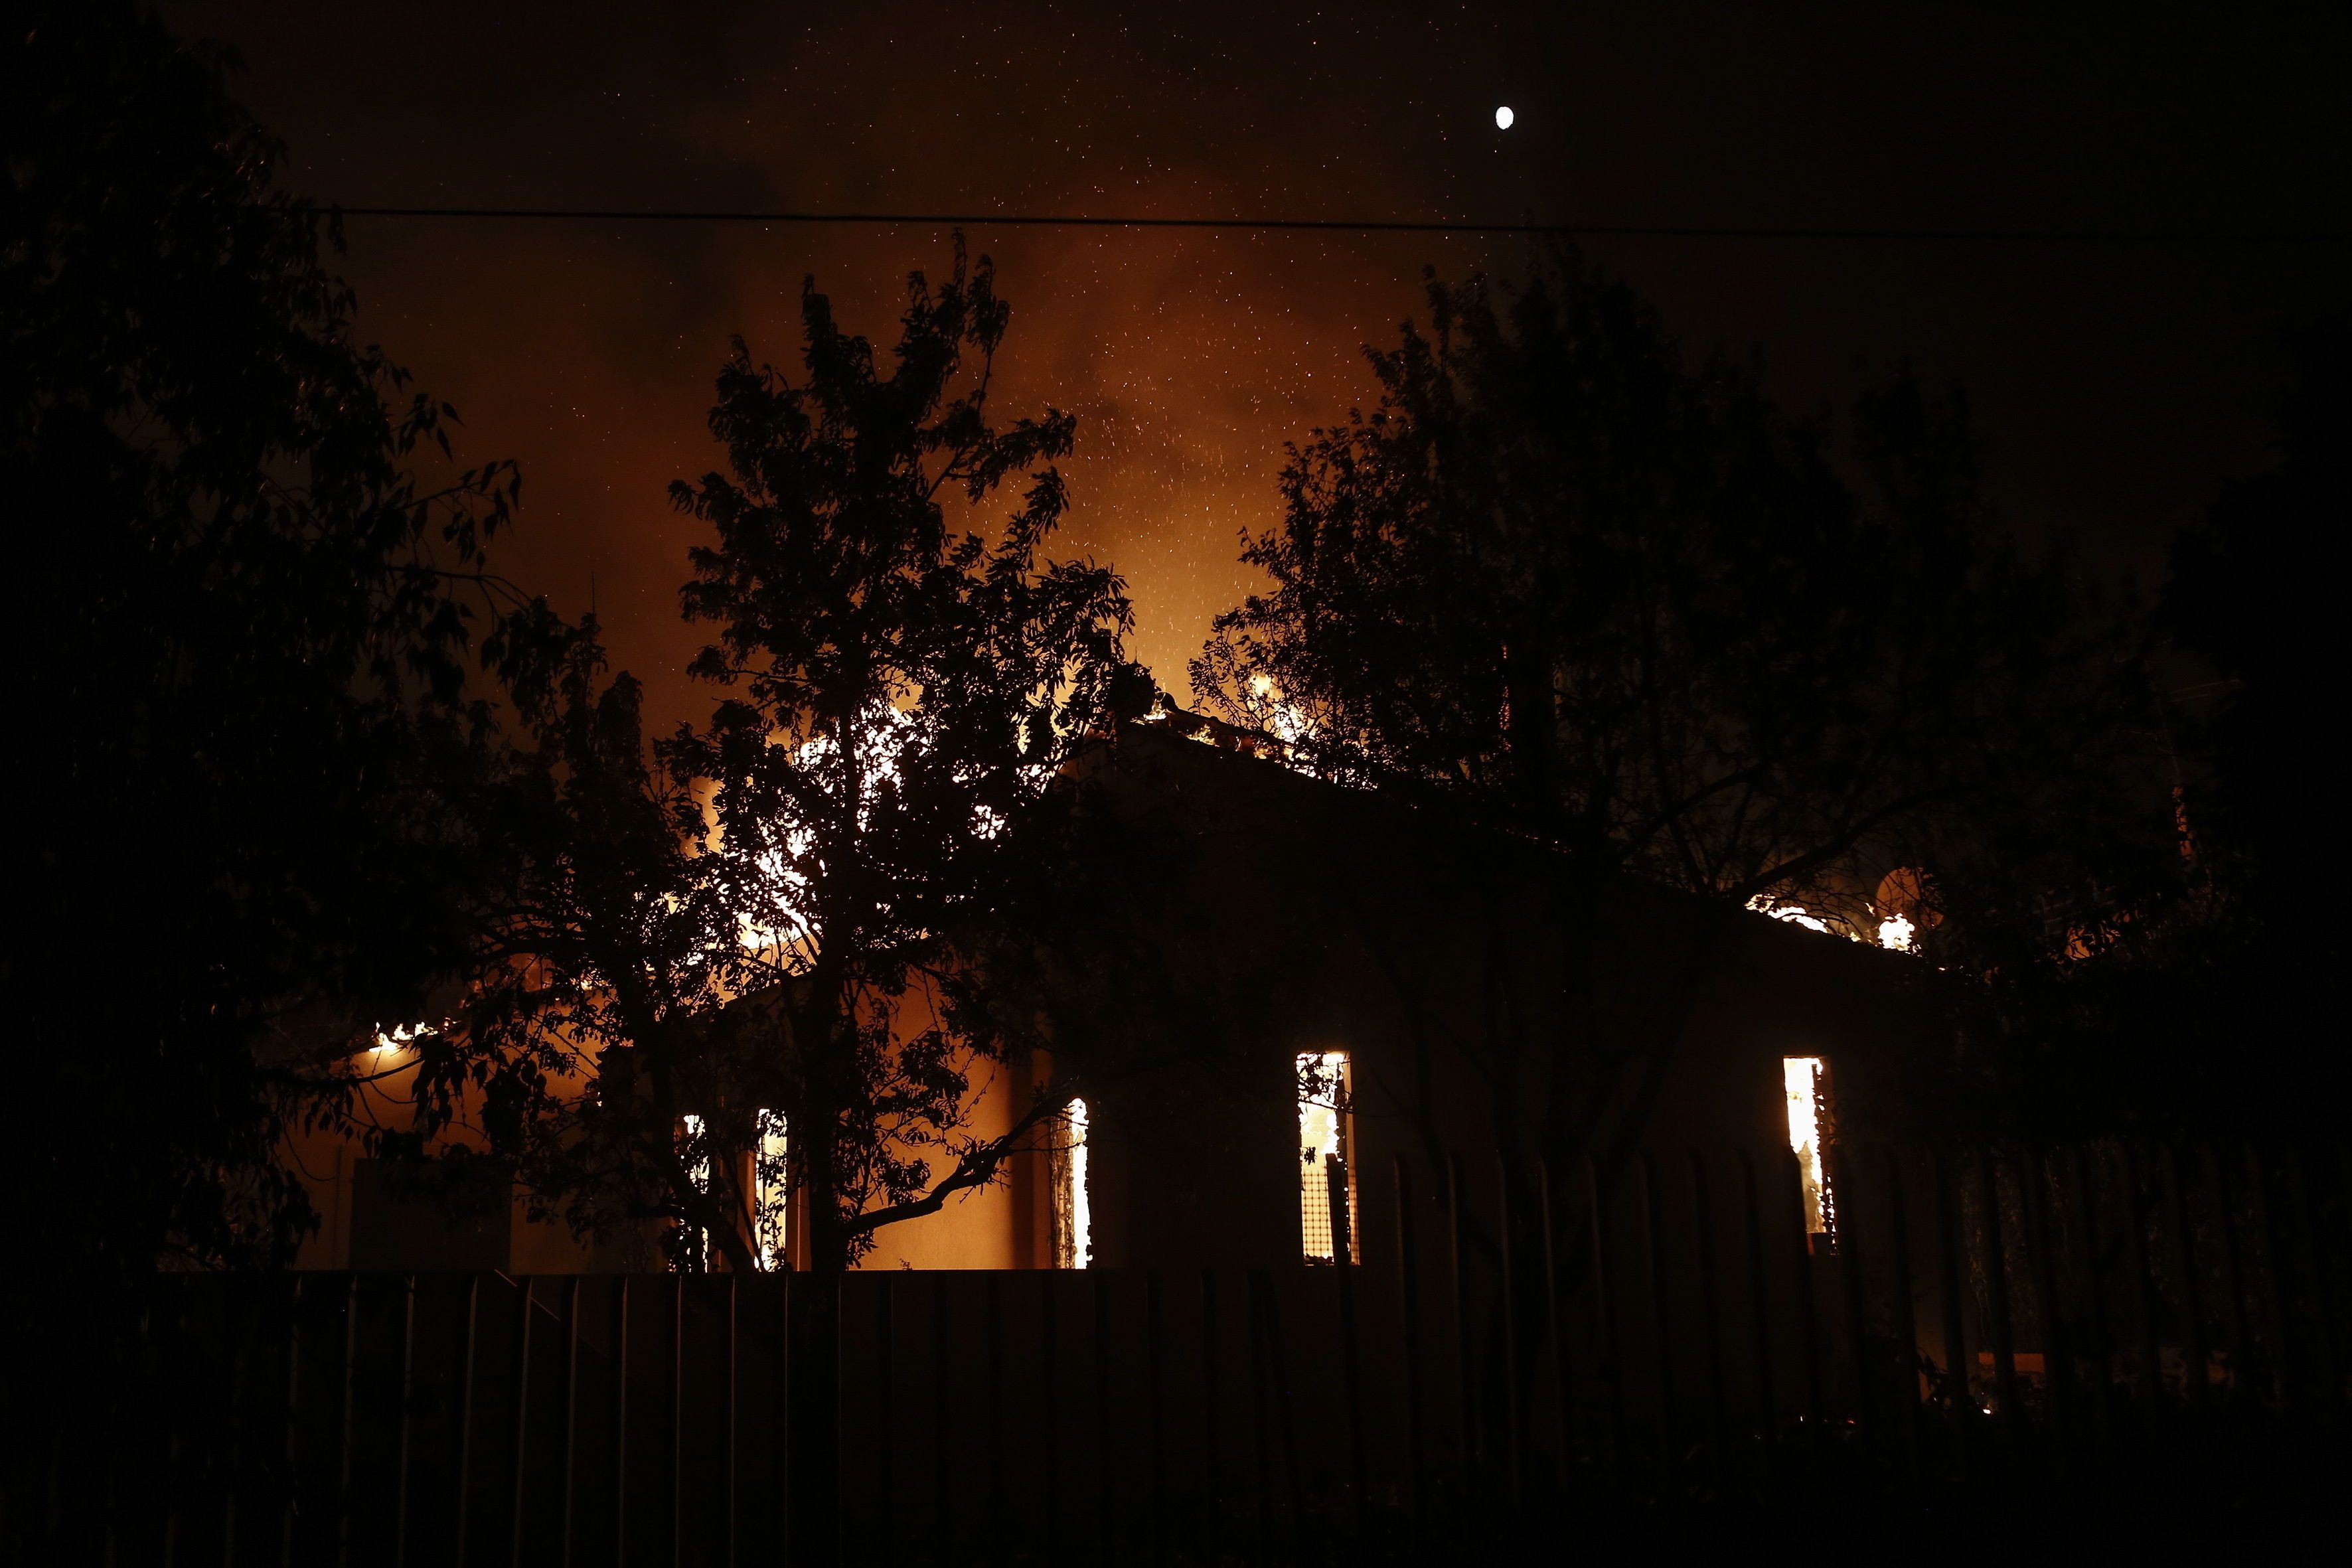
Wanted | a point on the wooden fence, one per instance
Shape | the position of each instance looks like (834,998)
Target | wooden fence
(1509,1335)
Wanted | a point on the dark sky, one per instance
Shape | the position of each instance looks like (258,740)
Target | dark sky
(2118,386)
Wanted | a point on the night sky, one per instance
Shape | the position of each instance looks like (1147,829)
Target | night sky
(2118,384)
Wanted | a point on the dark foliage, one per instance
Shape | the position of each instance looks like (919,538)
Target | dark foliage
(240,623)
(2193,1002)
(1570,584)
(785,915)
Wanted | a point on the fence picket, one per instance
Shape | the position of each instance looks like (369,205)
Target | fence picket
(1850,1247)
(1409,1324)
(1808,1324)
(1906,1391)
(1759,1297)
(1335,1366)
(1506,1228)
(2057,1351)
(1996,1272)
(1711,1311)
(2182,1243)
(1662,1328)
(1959,1369)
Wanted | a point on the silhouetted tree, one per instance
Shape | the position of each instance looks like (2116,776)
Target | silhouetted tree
(241,624)
(2243,601)
(909,692)
(1566,584)
(781,912)
(2183,1003)
(820,906)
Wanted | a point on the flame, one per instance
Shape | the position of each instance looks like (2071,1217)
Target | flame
(1794,914)
(1082,1219)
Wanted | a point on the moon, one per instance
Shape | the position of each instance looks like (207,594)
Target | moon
(1503,117)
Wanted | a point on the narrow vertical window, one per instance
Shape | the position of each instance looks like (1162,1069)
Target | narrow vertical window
(1074,1240)
(770,1194)
(1806,1078)
(1327,1184)
(694,1247)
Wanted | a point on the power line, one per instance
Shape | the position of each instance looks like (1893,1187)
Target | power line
(1386,226)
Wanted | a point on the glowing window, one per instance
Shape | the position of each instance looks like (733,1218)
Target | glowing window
(1074,1240)
(1804,1078)
(770,1194)
(696,1245)
(1327,1183)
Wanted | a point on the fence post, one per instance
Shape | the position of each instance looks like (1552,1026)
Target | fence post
(1907,1324)
(1960,1368)
(1261,1445)
(173,1484)
(734,1379)
(1351,1368)
(570,1404)
(886,1397)
(1212,1466)
(784,1409)
(2233,1312)
(2058,1353)
(993,1322)
(1759,1297)
(2184,1255)
(523,1427)
(2098,1347)
(2324,1360)
(1809,1334)
(1604,1313)
(2151,1361)
(344,1468)
(1285,1411)
(1996,1265)
(2041,1256)
(1105,1472)
(943,1470)
(1154,1395)
(1554,1326)
(1511,1407)
(1653,1248)
(1718,1394)
(677,1414)
(407,1399)
(1409,1304)
(621,1425)
(1049,1435)
(293,1424)
(1465,1387)
(1841,1173)
(2258,1195)
(466,1415)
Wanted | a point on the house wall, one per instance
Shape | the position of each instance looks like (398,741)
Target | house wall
(1275,916)
(1313,919)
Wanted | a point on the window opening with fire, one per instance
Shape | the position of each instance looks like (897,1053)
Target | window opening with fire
(693,1243)
(1327,1180)
(1074,1228)
(1806,1080)
(770,1194)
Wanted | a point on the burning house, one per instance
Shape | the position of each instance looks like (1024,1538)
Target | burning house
(1335,980)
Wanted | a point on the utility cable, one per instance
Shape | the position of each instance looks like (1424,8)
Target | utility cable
(1379,226)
